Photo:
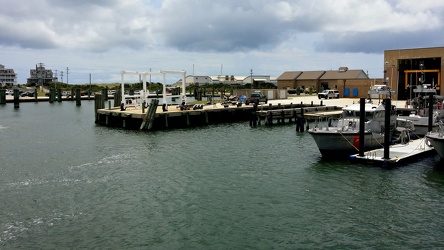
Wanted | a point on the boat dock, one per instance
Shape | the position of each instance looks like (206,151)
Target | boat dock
(398,153)
(173,116)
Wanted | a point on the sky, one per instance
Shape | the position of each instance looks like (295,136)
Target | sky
(100,38)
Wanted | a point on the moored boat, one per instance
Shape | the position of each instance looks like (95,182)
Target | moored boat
(418,110)
(342,139)
(436,140)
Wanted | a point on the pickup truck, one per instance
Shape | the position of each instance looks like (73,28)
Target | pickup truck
(327,94)
(256,98)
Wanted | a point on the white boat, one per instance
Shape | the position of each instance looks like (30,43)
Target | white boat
(436,140)
(343,139)
(419,110)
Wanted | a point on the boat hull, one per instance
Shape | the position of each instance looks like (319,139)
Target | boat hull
(339,145)
(421,130)
(437,142)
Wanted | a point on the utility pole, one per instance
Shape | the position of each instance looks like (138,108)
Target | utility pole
(251,77)
(89,92)
(67,72)
(61,76)
(55,80)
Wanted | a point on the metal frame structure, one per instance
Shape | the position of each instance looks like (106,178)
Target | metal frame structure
(144,94)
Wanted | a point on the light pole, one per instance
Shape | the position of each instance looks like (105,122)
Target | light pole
(391,77)
(251,77)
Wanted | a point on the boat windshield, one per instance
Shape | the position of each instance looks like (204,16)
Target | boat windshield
(356,114)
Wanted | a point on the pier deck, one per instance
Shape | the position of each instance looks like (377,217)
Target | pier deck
(398,153)
(208,114)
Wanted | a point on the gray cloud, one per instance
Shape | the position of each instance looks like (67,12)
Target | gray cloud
(375,42)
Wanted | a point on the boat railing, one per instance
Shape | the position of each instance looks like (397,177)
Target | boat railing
(342,124)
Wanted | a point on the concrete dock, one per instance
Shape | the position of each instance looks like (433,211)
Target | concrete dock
(398,153)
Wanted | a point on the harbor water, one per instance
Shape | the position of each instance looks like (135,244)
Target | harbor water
(66,183)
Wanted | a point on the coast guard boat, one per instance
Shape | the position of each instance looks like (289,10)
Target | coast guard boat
(436,140)
(419,110)
(342,139)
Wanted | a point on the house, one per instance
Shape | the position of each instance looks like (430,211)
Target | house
(8,77)
(40,75)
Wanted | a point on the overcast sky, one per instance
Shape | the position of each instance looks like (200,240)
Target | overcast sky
(211,37)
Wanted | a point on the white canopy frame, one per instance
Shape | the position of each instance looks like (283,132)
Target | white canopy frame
(144,94)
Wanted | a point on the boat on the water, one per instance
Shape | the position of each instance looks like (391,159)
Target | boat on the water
(417,110)
(436,140)
(342,139)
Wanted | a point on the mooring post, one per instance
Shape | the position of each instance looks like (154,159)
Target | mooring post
(388,110)
(253,116)
(51,95)
(78,97)
(361,126)
(2,96)
(166,119)
(36,95)
(300,121)
(105,94)
(59,94)
(98,104)
(16,98)
(118,100)
(430,112)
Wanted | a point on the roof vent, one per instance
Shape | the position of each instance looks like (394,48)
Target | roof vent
(343,69)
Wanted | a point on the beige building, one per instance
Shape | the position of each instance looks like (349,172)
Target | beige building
(405,69)
(350,83)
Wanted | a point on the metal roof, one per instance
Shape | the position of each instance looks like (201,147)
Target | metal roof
(311,75)
(344,75)
(289,75)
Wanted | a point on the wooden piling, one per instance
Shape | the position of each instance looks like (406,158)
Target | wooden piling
(99,103)
(105,94)
(59,95)
(2,96)
(166,119)
(51,95)
(16,99)
(118,100)
(78,97)
(148,120)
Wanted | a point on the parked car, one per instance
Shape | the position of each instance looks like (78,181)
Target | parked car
(256,97)
(328,93)
(27,93)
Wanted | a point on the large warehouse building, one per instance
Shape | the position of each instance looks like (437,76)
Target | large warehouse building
(404,69)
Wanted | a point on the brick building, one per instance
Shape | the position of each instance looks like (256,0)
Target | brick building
(405,69)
